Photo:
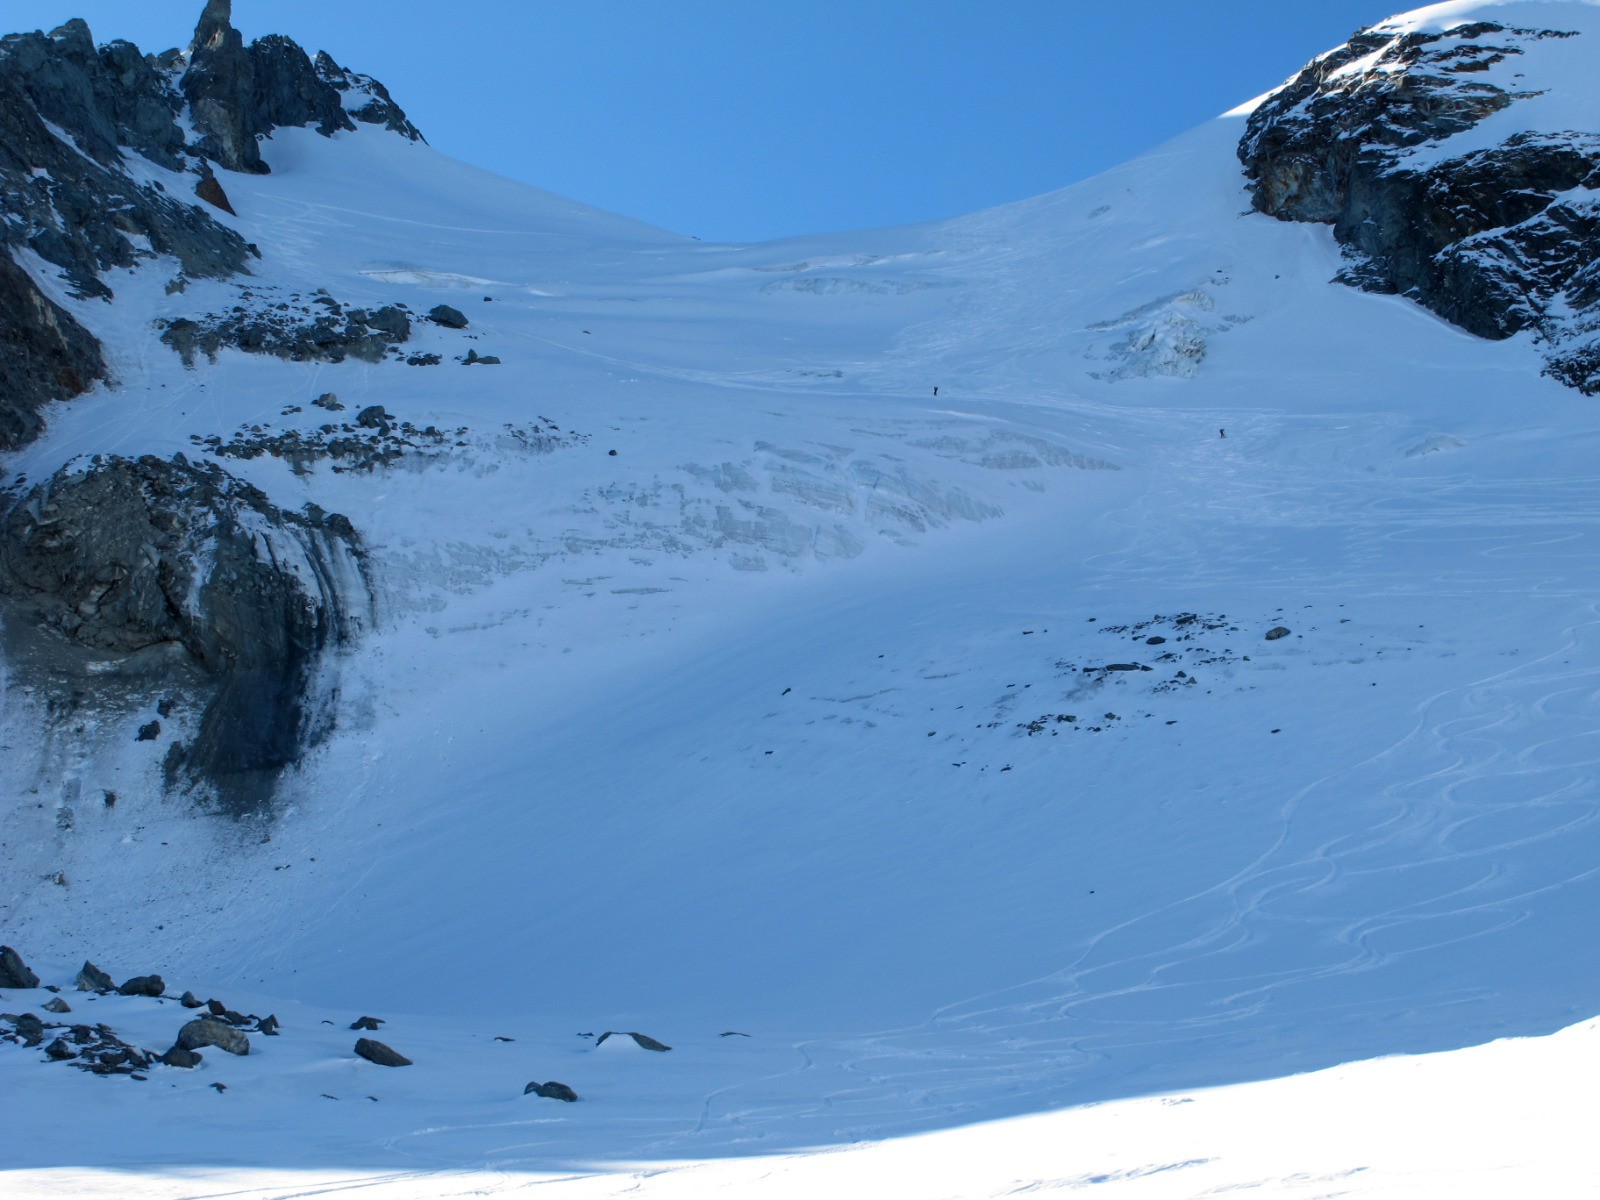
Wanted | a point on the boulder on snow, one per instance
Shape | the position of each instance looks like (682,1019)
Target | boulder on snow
(203,1031)
(57,1005)
(143,985)
(93,979)
(450,318)
(29,1028)
(644,1040)
(180,1056)
(551,1091)
(366,1023)
(376,1052)
(190,1000)
(59,1051)
(1277,632)
(14,973)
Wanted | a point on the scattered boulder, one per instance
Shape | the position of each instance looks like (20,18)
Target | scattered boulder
(59,1051)
(57,1005)
(450,318)
(143,985)
(1277,632)
(181,1056)
(14,973)
(376,1052)
(551,1091)
(474,359)
(366,1023)
(203,1031)
(644,1040)
(92,979)
(149,731)
(190,1000)
(268,1025)
(29,1028)
(329,401)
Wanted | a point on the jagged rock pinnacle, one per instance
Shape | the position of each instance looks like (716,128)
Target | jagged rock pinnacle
(216,22)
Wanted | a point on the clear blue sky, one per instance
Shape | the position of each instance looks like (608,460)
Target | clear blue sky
(739,120)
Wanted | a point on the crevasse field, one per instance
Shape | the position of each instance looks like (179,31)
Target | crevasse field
(793,734)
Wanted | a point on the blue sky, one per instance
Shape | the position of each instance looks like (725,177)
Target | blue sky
(741,120)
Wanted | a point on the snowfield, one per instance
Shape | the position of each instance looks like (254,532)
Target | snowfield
(846,660)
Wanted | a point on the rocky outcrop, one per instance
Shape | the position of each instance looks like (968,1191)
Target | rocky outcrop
(45,355)
(316,333)
(120,558)
(240,94)
(68,113)
(365,99)
(67,194)
(1497,240)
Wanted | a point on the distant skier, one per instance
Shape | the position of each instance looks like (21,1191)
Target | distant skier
(935,391)
(1222,433)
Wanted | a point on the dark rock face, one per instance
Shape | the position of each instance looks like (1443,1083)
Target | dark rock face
(1493,240)
(45,355)
(14,973)
(202,1031)
(129,556)
(376,1052)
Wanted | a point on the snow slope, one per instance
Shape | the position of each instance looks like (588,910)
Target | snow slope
(761,725)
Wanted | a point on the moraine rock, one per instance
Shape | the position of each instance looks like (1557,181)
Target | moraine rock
(122,560)
(1278,631)
(450,318)
(60,1051)
(202,1031)
(92,979)
(29,1028)
(14,973)
(643,1040)
(1497,238)
(181,1056)
(551,1091)
(190,1000)
(376,1052)
(143,985)
(366,1023)
(56,1005)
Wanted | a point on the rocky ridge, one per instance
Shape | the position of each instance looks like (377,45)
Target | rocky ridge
(1497,240)
(69,112)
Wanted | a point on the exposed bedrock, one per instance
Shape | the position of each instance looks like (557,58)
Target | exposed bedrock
(45,355)
(1496,240)
(131,558)
(240,93)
